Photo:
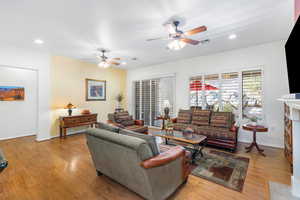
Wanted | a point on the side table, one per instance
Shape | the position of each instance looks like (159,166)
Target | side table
(255,129)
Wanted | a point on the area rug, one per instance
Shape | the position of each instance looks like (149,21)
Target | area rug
(280,191)
(222,168)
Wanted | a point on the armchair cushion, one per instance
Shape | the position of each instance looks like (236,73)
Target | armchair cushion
(121,116)
(148,138)
(221,119)
(109,127)
(164,158)
(184,116)
(201,117)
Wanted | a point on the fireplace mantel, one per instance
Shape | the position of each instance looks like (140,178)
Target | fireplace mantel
(294,105)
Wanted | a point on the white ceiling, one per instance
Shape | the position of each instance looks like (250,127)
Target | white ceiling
(76,28)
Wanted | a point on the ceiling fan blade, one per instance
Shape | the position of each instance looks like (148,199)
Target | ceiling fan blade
(158,38)
(190,41)
(113,63)
(116,58)
(196,30)
(170,28)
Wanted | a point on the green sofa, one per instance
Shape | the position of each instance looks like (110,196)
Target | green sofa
(3,161)
(133,160)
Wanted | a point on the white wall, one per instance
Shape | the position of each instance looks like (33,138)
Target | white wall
(270,56)
(40,62)
(22,113)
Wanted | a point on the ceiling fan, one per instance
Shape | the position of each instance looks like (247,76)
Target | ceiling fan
(106,62)
(178,37)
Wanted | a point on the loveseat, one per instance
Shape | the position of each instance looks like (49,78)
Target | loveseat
(125,121)
(219,127)
(133,160)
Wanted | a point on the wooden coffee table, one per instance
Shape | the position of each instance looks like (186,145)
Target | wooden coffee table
(198,142)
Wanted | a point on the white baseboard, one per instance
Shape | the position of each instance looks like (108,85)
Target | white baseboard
(13,137)
(295,187)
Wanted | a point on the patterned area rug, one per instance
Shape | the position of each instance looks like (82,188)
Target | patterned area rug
(222,168)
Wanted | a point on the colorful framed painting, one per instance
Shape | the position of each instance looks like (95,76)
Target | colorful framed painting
(12,93)
(95,90)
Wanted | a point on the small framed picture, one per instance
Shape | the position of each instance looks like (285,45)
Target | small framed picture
(95,90)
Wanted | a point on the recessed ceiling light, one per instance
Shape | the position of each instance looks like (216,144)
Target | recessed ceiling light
(232,36)
(38,41)
(124,63)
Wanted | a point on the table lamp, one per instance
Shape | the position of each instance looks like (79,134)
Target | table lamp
(70,106)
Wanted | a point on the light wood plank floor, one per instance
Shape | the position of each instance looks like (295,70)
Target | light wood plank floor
(62,169)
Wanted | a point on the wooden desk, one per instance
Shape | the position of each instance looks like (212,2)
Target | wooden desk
(66,122)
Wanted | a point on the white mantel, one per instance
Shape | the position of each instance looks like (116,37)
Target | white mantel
(294,105)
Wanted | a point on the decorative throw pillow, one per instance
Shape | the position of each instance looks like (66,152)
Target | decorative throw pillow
(184,116)
(201,117)
(221,119)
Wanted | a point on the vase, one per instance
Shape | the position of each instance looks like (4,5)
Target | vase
(167,111)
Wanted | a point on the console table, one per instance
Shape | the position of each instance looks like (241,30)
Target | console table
(66,122)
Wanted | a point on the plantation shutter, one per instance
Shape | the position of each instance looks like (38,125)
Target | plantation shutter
(211,91)
(230,93)
(146,101)
(252,93)
(196,91)
(151,97)
(137,99)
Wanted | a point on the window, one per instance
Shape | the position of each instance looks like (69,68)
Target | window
(252,94)
(151,97)
(223,92)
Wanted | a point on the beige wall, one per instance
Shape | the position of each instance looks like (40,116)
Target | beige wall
(68,85)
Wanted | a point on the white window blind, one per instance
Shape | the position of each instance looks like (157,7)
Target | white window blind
(252,94)
(230,93)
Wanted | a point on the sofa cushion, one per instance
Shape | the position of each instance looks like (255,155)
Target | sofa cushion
(137,128)
(221,119)
(201,117)
(184,116)
(148,138)
(180,126)
(108,127)
(214,132)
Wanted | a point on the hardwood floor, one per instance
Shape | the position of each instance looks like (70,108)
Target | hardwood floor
(62,169)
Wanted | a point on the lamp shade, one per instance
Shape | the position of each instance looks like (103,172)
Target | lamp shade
(70,106)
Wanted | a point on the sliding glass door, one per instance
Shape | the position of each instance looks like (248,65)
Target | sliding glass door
(151,97)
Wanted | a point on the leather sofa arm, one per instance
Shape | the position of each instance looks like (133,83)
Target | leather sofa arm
(164,158)
(174,120)
(139,122)
(115,124)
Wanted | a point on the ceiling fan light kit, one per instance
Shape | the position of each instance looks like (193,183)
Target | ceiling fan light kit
(178,38)
(176,45)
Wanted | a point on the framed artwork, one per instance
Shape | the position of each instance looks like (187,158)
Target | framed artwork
(12,93)
(95,90)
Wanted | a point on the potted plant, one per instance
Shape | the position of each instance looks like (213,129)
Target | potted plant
(119,99)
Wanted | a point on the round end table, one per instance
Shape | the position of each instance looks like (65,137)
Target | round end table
(255,129)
